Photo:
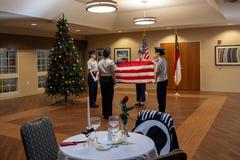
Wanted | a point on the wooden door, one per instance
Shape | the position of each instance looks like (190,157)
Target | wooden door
(190,62)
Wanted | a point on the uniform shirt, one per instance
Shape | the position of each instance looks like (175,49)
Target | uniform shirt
(106,66)
(161,68)
(92,65)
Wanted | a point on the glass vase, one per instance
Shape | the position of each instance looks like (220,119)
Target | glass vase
(124,132)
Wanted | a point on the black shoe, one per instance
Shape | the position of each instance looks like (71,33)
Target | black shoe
(95,106)
(137,104)
(105,117)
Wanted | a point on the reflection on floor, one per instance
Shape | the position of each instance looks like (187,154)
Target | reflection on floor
(204,121)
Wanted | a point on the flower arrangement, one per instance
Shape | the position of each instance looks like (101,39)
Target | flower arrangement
(124,113)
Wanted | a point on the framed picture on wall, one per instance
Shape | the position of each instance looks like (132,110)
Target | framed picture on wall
(227,55)
(99,54)
(122,54)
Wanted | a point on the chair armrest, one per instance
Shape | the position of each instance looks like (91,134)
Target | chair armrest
(176,154)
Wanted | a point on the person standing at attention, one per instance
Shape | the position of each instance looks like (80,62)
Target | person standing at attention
(161,78)
(140,88)
(93,77)
(107,69)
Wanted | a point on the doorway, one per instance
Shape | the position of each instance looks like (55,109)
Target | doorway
(190,63)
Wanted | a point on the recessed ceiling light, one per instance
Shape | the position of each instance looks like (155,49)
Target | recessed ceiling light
(34,24)
(168,27)
(144,20)
(101,6)
(230,24)
(119,31)
(77,30)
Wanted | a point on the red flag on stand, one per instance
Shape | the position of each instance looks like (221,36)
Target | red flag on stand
(177,63)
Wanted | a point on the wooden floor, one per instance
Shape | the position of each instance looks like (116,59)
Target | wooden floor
(208,124)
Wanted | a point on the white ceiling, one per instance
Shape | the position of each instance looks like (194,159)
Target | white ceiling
(130,5)
(16,15)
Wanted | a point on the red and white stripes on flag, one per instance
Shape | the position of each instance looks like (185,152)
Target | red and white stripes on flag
(145,49)
(135,72)
(177,63)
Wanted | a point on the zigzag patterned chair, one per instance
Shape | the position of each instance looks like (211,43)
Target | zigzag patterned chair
(39,140)
(159,127)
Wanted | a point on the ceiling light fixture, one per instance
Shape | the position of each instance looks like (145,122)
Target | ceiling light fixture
(34,24)
(77,30)
(144,20)
(101,6)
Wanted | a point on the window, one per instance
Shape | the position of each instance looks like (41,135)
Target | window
(8,61)
(8,70)
(42,59)
(42,81)
(42,64)
(8,85)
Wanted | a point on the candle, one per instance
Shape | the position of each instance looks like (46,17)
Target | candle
(88,113)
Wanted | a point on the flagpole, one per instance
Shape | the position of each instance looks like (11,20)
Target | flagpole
(176,93)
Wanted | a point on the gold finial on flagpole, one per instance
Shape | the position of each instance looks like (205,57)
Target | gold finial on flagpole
(144,32)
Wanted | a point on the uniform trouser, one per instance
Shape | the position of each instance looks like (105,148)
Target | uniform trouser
(107,89)
(161,95)
(141,88)
(93,87)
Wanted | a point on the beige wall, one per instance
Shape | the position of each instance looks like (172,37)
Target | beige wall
(213,78)
(27,78)
(27,81)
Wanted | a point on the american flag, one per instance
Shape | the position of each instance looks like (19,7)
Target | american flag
(145,49)
(135,72)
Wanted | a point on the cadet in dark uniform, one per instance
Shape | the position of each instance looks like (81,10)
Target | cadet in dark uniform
(93,77)
(140,88)
(161,78)
(107,80)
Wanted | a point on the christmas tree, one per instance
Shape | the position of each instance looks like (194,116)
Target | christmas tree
(65,75)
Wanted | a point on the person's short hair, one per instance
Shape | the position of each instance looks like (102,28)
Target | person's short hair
(106,52)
